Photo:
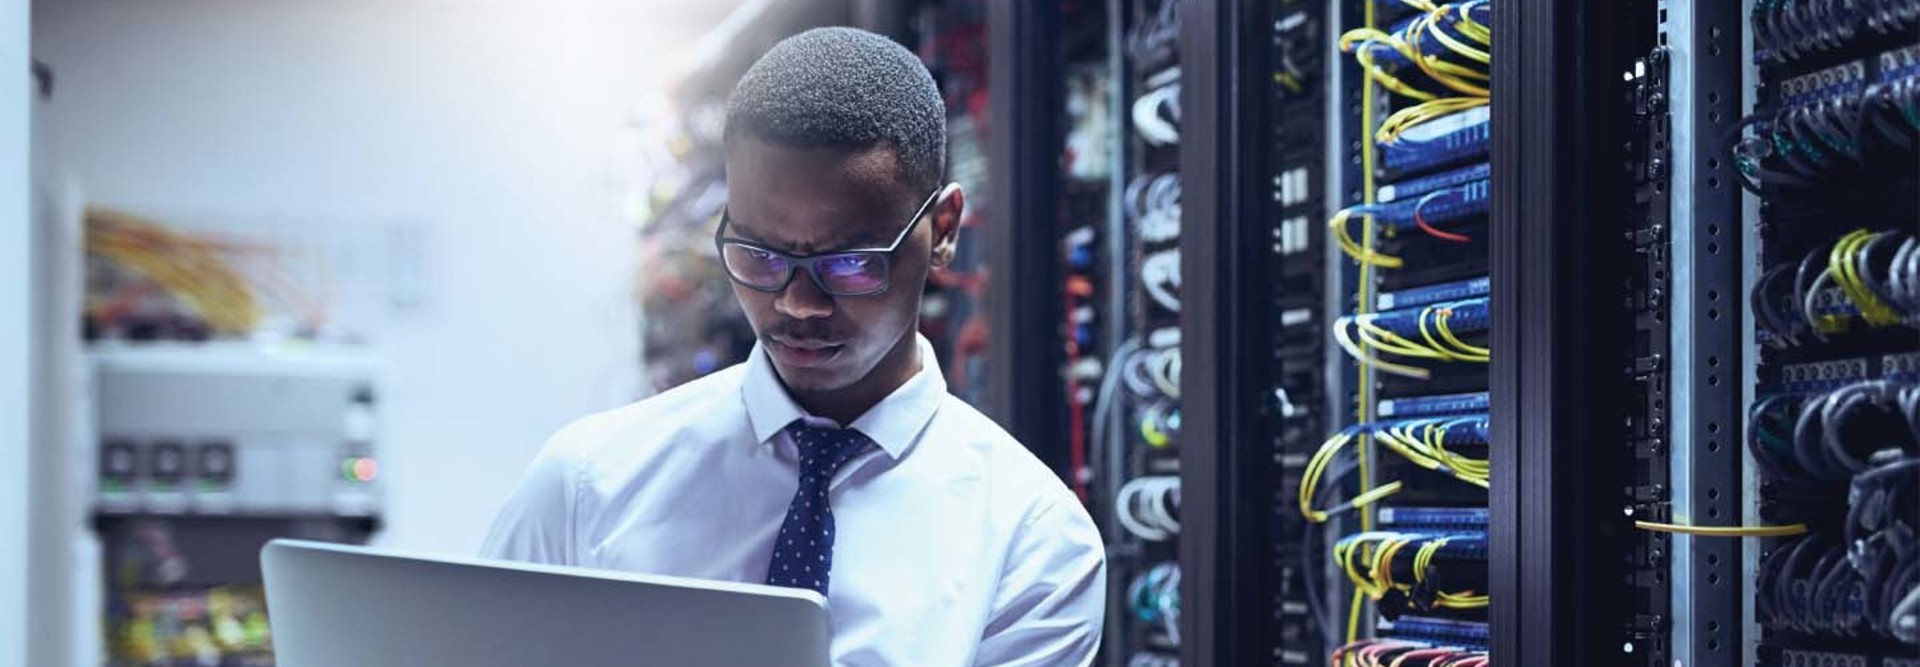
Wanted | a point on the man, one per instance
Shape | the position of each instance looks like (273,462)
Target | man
(833,459)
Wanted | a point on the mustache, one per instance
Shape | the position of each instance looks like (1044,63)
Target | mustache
(797,331)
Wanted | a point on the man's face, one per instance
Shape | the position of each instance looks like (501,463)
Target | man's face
(807,201)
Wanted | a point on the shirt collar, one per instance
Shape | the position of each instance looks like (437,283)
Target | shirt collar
(892,423)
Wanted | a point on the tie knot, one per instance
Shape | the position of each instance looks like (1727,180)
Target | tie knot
(823,449)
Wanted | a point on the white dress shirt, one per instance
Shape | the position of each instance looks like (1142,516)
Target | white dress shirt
(954,545)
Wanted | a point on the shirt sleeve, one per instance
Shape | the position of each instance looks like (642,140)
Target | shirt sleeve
(536,523)
(1053,593)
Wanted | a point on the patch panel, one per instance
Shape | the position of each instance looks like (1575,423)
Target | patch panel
(1427,406)
(1845,80)
(1788,31)
(1805,658)
(1453,518)
(1453,204)
(1824,375)
(1901,367)
(1465,634)
(1900,63)
(1415,187)
(1467,316)
(1462,430)
(1432,294)
(1451,139)
(1393,61)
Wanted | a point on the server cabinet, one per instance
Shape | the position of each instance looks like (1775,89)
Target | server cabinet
(1412,347)
(1087,283)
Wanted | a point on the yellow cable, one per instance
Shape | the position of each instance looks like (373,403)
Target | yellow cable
(1474,54)
(1316,468)
(1378,337)
(1446,333)
(1401,121)
(1365,255)
(1345,340)
(1723,531)
(1474,30)
(1449,355)
(1845,272)
(1364,392)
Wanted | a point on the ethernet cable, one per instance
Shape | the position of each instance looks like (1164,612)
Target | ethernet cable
(1722,531)
(1144,507)
(1160,275)
(1365,256)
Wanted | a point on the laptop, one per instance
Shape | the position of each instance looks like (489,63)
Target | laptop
(340,606)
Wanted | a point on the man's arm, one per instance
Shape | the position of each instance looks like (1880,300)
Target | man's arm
(1053,593)
(536,523)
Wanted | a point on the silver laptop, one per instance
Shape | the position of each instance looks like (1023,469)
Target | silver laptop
(340,606)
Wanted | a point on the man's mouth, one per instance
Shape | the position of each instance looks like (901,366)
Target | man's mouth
(804,353)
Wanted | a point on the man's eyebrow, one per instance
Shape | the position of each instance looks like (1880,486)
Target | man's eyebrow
(866,240)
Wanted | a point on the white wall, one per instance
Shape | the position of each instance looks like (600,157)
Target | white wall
(15,307)
(495,126)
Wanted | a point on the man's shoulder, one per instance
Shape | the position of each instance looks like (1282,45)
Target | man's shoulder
(1012,466)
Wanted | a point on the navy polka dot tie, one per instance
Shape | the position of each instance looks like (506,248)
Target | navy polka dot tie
(803,553)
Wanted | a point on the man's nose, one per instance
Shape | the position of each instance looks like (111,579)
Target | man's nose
(802,299)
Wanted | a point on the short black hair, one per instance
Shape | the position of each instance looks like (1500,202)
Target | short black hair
(845,87)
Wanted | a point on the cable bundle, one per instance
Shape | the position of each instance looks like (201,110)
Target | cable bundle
(1146,507)
(1874,276)
(1154,597)
(1153,40)
(1862,579)
(1785,30)
(1448,44)
(1433,323)
(1160,423)
(1156,115)
(1401,653)
(1821,441)
(1151,375)
(189,268)
(1422,441)
(1393,130)
(1160,275)
(1811,585)
(1369,559)
(1153,204)
(1827,129)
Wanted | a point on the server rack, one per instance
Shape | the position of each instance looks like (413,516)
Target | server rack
(1555,239)
(1087,286)
(1650,333)
(1831,370)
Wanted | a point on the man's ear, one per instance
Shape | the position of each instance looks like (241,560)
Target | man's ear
(946,215)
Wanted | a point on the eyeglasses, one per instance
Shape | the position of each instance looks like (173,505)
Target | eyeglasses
(861,272)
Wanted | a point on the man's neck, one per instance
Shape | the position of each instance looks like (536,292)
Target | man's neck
(847,404)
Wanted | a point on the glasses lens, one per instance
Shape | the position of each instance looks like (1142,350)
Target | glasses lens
(853,273)
(755,267)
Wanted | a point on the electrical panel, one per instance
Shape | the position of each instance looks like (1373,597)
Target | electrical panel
(212,430)
(205,452)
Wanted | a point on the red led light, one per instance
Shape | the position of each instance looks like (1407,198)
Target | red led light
(364,469)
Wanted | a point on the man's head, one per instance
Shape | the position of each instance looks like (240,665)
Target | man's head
(834,139)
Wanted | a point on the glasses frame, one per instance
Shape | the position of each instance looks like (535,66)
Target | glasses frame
(796,263)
